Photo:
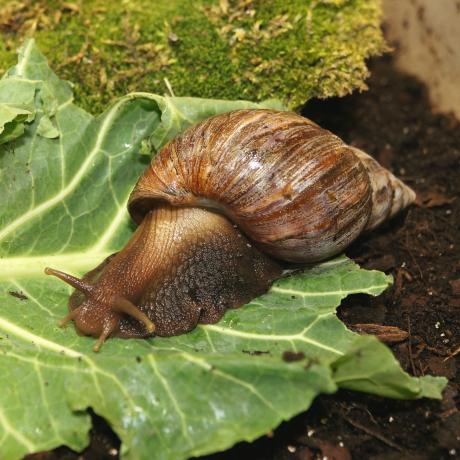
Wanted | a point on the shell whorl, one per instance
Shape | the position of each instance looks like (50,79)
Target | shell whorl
(389,194)
(294,188)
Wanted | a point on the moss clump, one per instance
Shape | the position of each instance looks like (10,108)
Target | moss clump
(253,49)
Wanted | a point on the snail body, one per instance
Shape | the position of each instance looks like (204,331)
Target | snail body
(217,209)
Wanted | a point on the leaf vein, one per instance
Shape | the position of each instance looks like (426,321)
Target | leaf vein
(172,398)
(271,337)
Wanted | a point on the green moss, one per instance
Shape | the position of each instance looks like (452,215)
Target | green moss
(289,49)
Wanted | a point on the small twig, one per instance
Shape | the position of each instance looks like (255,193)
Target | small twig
(115,43)
(454,353)
(76,57)
(435,351)
(374,434)
(409,347)
(420,366)
(368,412)
(414,261)
(168,85)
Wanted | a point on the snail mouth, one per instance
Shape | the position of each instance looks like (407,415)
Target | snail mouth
(101,320)
(87,324)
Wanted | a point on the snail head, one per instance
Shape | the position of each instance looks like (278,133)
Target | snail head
(98,315)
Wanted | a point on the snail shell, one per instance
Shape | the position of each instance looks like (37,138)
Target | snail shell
(293,187)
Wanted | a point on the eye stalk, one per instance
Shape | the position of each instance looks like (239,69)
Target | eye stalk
(76,283)
(82,314)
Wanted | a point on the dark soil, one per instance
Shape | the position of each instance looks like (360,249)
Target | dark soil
(393,121)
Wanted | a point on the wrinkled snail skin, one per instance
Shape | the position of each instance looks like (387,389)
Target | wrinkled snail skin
(213,202)
(182,266)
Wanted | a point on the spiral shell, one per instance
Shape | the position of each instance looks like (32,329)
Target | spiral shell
(294,188)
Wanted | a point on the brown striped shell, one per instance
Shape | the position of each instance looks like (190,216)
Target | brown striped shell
(294,188)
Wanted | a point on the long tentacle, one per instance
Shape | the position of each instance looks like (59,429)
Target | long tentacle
(69,279)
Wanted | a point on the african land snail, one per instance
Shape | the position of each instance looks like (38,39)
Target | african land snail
(296,192)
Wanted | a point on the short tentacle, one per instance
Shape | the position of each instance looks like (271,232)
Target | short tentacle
(109,327)
(71,316)
(122,305)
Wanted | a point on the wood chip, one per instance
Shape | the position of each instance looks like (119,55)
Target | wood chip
(386,334)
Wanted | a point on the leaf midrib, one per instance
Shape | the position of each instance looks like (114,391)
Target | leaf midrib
(71,186)
(33,266)
(37,340)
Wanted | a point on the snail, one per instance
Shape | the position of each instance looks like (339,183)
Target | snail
(218,209)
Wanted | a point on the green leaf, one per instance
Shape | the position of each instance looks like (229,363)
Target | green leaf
(47,129)
(16,107)
(370,367)
(63,205)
